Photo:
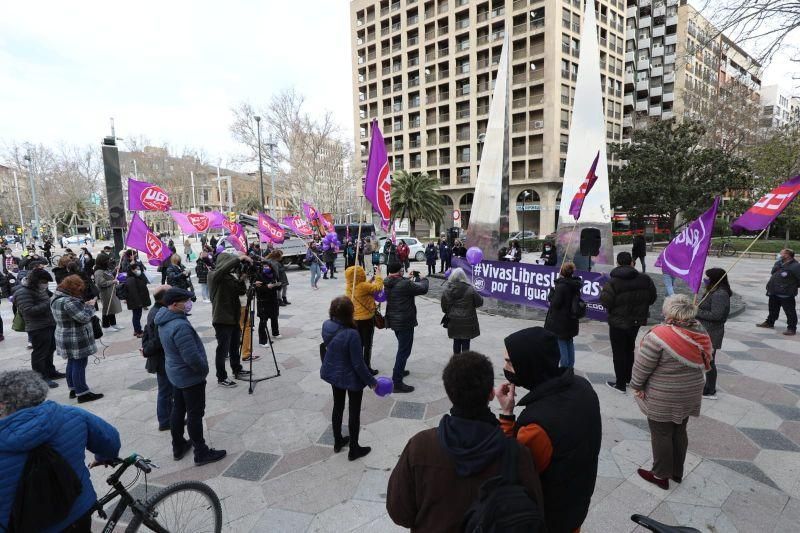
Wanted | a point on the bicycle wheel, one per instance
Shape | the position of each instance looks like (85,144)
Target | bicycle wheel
(186,506)
(728,250)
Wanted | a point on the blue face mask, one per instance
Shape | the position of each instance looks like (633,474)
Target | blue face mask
(706,282)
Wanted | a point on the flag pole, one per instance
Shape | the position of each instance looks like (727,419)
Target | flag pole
(741,256)
(569,244)
(358,241)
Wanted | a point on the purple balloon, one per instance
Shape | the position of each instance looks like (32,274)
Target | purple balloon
(384,387)
(380,296)
(323,269)
(447,273)
(474,255)
(326,246)
(122,277)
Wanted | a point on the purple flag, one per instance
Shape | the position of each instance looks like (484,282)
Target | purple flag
(768,207)
(298,225)
(143,196)
(237,238)
(270,229)
(198,222)
(378,182)
(311,212)
(577,201)
(685,257)
(141,238)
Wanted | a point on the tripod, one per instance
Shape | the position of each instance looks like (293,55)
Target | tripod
(249,313)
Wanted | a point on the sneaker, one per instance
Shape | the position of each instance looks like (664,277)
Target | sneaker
(52,384)
(402,388)
(164,428)
(287,302)
(72,395)
(613,385)
(647,475)
(709,396)
(226,383)
(276,336)
(253,357)
(207,301)
(765,324)
(406,373)
(358,452)
(181,452)
(242,374)
(790,332)
(263,345)
(89,397)
(210,456)
(29,346)
(337,447)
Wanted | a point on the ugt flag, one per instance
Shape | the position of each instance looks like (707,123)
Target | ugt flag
(768,207)
(198,222)
(298,225)
(685,256)
(236,236)
(588,182)
(269,229)
(311,212)
(141,238)
(378,182)
(143,196)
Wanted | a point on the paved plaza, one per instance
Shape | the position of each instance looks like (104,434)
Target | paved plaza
(281,475)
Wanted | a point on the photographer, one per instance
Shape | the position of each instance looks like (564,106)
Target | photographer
(401,316)
(268,287)
(226,283)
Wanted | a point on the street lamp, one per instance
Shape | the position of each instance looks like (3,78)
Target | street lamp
(260,167)
(272,145)
(525,195)
(29,158)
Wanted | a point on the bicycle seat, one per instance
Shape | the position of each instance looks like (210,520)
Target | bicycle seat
(658,527)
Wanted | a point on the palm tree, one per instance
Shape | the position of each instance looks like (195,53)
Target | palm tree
(415,196)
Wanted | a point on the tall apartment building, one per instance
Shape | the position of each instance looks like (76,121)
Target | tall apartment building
(779,107)
(677,63)
(425,70)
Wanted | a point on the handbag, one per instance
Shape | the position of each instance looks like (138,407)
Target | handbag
(97,328)
(380,321)
(445,321)
(19,322)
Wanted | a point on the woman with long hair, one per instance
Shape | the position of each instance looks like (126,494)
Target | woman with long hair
(179,276)
(363,295)
(460,302)
(560,319)
(712,313)
(105,280)
(344,368)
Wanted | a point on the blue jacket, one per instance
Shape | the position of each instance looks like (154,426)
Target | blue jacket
(186,363)
(70,431)
(344,366)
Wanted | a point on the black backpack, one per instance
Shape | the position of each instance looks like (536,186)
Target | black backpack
(503,505)
(151,344)
(46,492)
(577,308)
(122,291)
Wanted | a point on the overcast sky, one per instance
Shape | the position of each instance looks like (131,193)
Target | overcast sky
(171,70)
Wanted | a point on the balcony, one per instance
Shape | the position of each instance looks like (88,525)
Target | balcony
(464,113)
(519,127)
(671,39)
(498,12)
(483,16)
(539,50)
(519,103)
(629,56)
(668,97)
(658,31)
(444,117)
(520,4)
(519,150)
(654,111)
(642,85)
(655,91)
(537,25)
(631,12)
(656,71)
(517,79)
(641,105)
(666,115)
(657,51)
(642,44)
(443,8)
(627,121)
(669,77)
(445,159)
(669,59)
(672,20)
(643,64)
(645,22)
(628,99)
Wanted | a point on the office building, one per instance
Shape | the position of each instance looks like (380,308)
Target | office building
(779,107)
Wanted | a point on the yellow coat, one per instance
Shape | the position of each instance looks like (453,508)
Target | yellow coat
(363,300)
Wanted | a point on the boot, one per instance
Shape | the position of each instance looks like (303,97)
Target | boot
(340,443)
(357,452)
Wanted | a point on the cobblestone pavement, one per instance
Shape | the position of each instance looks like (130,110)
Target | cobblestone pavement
(743,469)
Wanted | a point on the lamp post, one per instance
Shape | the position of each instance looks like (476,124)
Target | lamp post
(29,158)
(525,195)
(260,166)
(271,145)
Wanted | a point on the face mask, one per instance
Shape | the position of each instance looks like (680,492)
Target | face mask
(187,307)
(510,376)
(43,287)
(706,282)
(137,272)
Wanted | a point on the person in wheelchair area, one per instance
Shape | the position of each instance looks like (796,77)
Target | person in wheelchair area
(53,438)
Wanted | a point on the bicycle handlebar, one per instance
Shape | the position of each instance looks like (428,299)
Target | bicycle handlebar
(658,527)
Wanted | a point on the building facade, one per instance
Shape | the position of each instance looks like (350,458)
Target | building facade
(425,69)
(779,107)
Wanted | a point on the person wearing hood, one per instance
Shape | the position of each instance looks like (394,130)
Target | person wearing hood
(329,256)
(627,298)
(106,281)
(27,420)
(440,472)
(460,302)
(668,385)
(226,286)
(33,300)
(186,366)
(560,319)
(138,296)
(560,424)
(363,297)
(74,335)
(548,257)
(401,317)
(343,367)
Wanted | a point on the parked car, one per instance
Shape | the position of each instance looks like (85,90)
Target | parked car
(10,239)
(81,238)
(416,248)
(519,236)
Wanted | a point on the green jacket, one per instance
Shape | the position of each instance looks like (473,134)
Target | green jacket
(225,287)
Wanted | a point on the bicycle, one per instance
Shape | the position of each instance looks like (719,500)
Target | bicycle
(189,506)
(725,247)
(657,527)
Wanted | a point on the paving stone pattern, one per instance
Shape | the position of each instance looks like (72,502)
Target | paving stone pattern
(281,474)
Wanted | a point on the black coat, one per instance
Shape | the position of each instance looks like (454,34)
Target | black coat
(138,295)
(202,271)
(639,248)
(459,251)
(267,299)
(628,297)
(549,257)
(401,311)
(430,255)
(559,320)
(59,273)
(460,301)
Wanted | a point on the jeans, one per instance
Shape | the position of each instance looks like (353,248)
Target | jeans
(711,376)
(76,375)
(623,345)
(136,319)
(669,442)
(109,320)
(405,340)
(460,345)
(189,404)
(204,290)
(262,328)
(227,346)
(315,273)
(567,349)
(789,307)
(164,399)
(44,346)
(669,289)
(354,414)
(366,331)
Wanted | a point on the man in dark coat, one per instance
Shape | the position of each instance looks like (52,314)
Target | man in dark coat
(138,296)
(560,425)
(782,290)
(225,286)
(627,298)
(445,255)
(440,471)
(156,365)
(639,251)
(401,316)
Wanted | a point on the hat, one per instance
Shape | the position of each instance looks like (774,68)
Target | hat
(175,295)
(535,355)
